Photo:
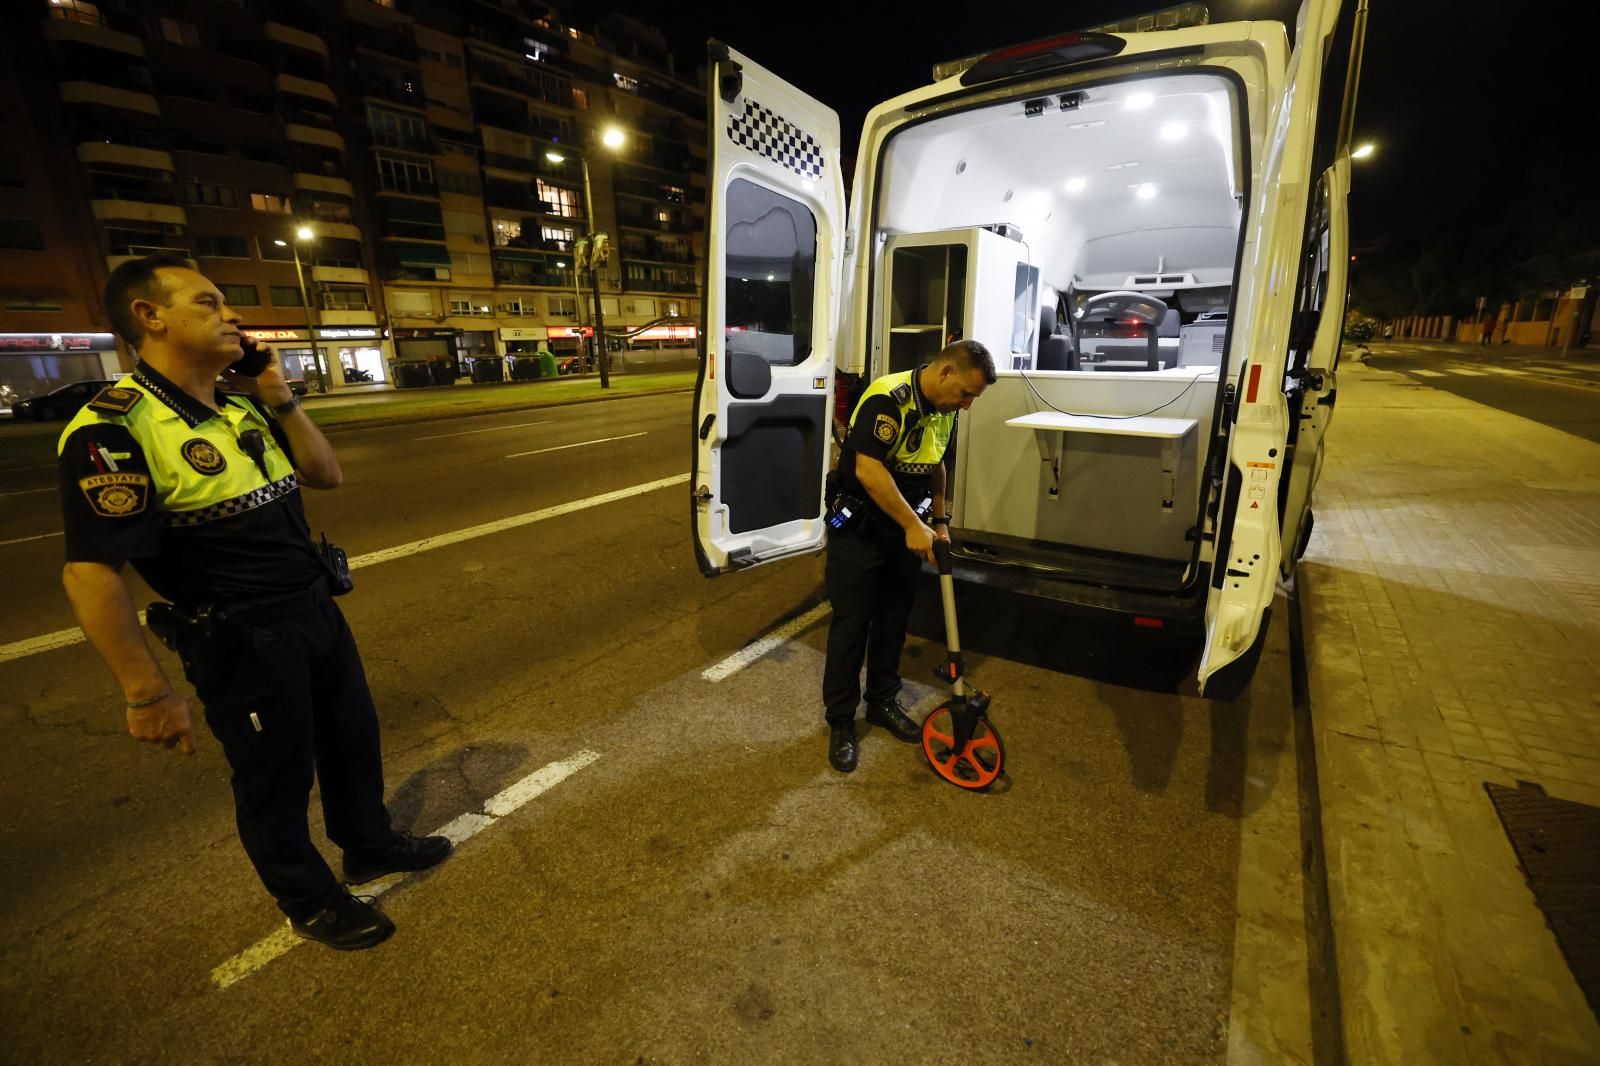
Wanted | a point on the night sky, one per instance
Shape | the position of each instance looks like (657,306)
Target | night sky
(1462,102)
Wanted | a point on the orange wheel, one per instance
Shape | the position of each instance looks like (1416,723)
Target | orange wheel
(979,762)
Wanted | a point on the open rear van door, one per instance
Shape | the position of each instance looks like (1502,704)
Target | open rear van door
(773,253)
(1249,541)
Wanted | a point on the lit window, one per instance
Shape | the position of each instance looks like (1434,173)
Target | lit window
(625,83)
(265,201)
(580,99)
(180,32)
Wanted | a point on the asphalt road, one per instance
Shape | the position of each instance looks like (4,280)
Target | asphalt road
(702,887)
(1542,387)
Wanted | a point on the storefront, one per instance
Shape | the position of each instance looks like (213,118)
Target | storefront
(524,340)
(32,364)
(356,354)
(345,355)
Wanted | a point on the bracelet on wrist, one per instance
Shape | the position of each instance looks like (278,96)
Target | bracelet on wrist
(284,408)
(151,702)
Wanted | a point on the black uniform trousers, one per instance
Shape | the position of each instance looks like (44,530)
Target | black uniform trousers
(871,580)
(287,699)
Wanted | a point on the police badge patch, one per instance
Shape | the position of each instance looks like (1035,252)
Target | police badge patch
(885,429)
(116,495)
(203,456)
(115,400)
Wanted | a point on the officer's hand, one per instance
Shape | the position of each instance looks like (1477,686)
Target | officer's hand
(919,540)
(942,531)
(166,723)
(269,386)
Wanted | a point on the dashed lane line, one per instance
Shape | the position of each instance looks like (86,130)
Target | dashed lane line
(459,830)
(491,429)
(751,652)
(24,540)
(580,444)
(64,637)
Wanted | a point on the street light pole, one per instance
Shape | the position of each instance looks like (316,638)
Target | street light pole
(594,278)
(304,233)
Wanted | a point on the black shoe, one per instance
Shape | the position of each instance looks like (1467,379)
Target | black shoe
(348,923)
(402,852)
(842,747)
(893,717)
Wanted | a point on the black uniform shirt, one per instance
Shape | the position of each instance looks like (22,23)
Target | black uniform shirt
(118,471)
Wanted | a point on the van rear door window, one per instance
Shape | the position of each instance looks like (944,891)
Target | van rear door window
(771,268)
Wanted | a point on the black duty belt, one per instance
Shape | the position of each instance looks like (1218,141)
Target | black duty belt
(268,609)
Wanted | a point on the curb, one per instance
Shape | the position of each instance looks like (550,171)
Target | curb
(425,416)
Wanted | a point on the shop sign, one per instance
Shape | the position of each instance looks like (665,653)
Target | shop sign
(523,333)
(274,334)
(421,334)
(348,333)
(57,342)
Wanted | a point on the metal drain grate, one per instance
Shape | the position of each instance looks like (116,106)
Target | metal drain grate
(1555,841)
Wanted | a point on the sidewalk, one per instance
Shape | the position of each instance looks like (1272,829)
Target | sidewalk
(1450,600)
(1493,353)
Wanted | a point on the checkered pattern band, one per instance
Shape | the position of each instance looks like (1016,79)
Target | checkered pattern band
(766,133)
(915,469)
(238,505)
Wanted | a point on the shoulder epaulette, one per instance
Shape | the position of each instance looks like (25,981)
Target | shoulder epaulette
(116,400)
(901,394)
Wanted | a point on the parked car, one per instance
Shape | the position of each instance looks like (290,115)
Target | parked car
(61,404)
(576,364)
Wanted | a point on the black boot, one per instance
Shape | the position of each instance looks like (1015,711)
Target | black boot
(893,717)
(842,747)
(400,852)
(347,923)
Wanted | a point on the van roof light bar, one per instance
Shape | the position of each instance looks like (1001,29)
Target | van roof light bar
(1177,17)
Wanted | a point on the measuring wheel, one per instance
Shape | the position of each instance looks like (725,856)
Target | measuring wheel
(970,757)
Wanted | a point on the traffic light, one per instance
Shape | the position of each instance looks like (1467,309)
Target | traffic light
(580,254)
(602,249)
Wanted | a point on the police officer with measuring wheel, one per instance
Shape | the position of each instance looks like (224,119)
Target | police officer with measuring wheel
(200,491)
(886,506)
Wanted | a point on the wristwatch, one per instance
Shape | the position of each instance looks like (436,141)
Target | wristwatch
(942,519)
(279,410)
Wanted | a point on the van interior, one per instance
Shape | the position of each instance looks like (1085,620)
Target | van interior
(1089,238)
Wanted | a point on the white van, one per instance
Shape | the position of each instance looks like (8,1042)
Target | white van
(1148,231)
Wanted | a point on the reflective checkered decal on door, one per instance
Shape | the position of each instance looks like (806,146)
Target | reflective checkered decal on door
(767,133)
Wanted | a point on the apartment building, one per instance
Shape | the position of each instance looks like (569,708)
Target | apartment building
(386,183)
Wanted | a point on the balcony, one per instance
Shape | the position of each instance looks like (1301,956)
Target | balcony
(138,251)
(139,210)
(410,188)
(391,44)
(403,141)
(395,91)
(340,275)
(88,92)
(125,155)
(95,35)
(285,34)
(319,183)
(340,317)
(311,135)
(341,230)
(288,83)
(687,288)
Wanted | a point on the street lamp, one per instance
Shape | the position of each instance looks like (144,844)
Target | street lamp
(595,243)
(306,233)
(1363,151)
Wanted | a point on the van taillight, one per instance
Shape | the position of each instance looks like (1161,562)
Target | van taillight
(1149,623)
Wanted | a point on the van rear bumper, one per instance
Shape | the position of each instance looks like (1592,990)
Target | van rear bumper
(1181,612)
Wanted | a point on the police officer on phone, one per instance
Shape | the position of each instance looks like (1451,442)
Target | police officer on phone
(886,505)
(200,491)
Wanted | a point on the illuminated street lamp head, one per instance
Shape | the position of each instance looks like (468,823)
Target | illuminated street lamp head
(304,233)
(1362,151)
(555,157)
(612,137)
(281,244)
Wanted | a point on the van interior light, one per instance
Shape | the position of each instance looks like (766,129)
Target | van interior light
(1174,131)
(1087,125)
(1077,184)
(1146,191)
(1139,101)
(1129,165)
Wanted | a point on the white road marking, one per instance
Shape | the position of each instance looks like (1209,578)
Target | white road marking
(750,653)
(1427,373)
(580,444)
(28,492)
(24,540)
(62,638)
(459,829)
(491,429)
(1467,372)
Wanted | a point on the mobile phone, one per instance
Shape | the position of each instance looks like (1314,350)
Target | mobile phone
(255,359)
